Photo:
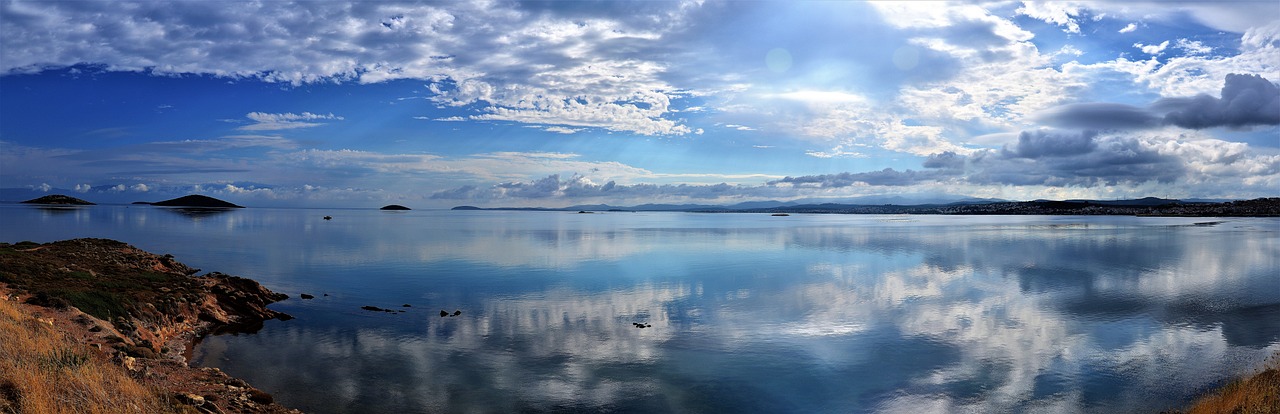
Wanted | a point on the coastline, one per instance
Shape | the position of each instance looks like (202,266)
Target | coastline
(1258,392)
(165,309)
(137,311)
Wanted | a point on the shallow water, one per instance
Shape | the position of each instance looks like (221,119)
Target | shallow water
(748,313)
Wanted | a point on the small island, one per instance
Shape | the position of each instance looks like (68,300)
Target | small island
(59,199)
(396,207)
(196,200)
(466,208)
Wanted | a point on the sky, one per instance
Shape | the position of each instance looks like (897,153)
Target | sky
(558,103)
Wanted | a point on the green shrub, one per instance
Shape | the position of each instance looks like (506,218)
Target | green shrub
(103,305)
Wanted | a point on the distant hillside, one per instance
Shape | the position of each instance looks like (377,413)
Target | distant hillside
(1262,207)
(59,199)
(196,200)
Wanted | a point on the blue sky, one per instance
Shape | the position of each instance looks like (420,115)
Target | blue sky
(334,104)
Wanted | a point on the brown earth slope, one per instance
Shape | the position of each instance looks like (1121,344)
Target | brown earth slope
(140,310)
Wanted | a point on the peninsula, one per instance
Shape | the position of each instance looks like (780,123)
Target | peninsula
(107,307)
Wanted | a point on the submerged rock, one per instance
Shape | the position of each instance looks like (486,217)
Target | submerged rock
(306,296)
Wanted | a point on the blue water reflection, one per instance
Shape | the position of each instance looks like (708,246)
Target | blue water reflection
(747,313)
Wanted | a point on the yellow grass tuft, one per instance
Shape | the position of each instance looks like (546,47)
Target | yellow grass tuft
(1257,394)
(42,371)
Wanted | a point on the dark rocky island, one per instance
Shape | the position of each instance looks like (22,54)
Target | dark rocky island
(140,312)
(395,207)
(466,208)
(59,199)
(196,200)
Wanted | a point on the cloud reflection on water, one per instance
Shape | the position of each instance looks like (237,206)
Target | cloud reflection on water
(823,315)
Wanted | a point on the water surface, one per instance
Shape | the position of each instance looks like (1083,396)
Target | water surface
(747,313)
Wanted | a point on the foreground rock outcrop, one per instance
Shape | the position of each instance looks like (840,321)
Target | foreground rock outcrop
(143,311)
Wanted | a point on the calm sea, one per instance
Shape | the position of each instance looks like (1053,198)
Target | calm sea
(743,312)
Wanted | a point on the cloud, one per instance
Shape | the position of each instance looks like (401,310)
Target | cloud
(1128,29)
(562,130)
(885,177)
(945,160)
(1247,100)
(838,152)
(1193,47)
(1076,159)
(578,187)
(499,61)
(1261,37)
(1061,13)
(270,122)
(1152,49)
(1097,115)
(1048,143)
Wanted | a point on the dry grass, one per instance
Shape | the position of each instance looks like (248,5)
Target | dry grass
(1257,394)
(42,371)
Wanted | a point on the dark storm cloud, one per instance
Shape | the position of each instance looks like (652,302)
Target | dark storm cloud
(945,160)
(1098,115)
(1051,143)
(1055,158)
(1247,100)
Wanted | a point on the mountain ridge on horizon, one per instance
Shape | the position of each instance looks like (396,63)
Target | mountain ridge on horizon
(869,201)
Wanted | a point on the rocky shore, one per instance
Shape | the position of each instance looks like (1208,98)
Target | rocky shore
(141,311)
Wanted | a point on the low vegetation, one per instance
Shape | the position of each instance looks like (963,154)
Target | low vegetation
(98,326)
(1256,394)
(43,371)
